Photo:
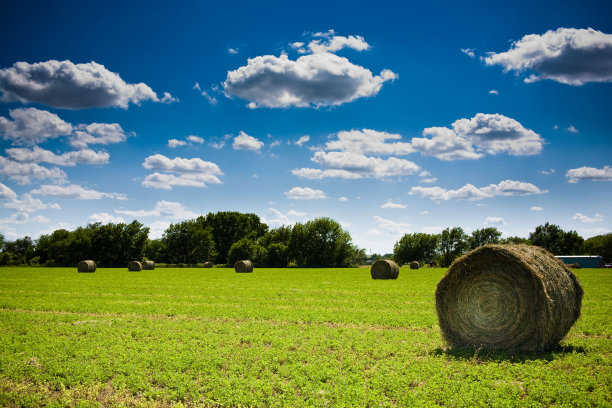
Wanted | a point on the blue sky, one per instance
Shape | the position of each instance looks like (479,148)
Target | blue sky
(388,118)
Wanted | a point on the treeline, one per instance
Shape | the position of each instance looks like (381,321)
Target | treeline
(451,243)
(223,238)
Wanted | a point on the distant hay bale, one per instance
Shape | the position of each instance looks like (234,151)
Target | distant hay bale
(134,266)
(414,265)
(86,266)
(208,264)
(148,265)
(243,266)
(384,269)
(507,297)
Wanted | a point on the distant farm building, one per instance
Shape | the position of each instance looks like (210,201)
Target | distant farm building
(584,261)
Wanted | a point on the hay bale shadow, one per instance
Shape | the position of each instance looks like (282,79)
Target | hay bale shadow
(491,356)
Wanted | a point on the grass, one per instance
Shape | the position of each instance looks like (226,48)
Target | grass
(276,337)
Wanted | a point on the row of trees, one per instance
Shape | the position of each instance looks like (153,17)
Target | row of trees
(451,243)
(223,238)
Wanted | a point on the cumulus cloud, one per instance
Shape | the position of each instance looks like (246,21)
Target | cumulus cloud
(172,143)
(536,208)
(27,203)
(484,133)
(98,133)
(76,192)
(157,229)
(329,43)
(195,139)
(304,193)
(471,193)
(494,92)
(343,199)
(32,126)
(22,218)
(567,55)
(469,52)
(246,142)
(368,141)
(163,208)
(167,181)
(6,193)
(494,221)
(180,165)
(589,220)
(302,140)
(275,218)
(318,174)
(106,218)
(295,213)
(391,204)
(40,155)
(391,227)
(317,79)
(63,84)
(23,173)
(167,98)
(572,129)
(365,166)
(589,173)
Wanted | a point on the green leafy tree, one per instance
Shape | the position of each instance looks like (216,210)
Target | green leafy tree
(18,252)
(415,247)
(278,255)
(320,242)
(515,240)
(228,227)
(552,238)
(247,249)
(453,243)
(599,245)
(480,237)
(188,242)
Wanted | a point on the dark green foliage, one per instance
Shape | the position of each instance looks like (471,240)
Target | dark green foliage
(247,249)
(514,240)
(188,242)
(453,243)
(599,245)
(415,247)
(228,227)
(321,242)
(552,238)
(480,237)
(278,255)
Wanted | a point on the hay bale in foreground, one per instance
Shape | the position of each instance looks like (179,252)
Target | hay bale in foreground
(507,297)
(86,266)
(384,269)
(148,265)
(134,266)
(243,266)
(414,265)
(208,264)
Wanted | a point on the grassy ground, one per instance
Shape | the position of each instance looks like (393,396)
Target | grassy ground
(277,337)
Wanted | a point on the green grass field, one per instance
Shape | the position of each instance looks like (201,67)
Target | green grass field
(276,337)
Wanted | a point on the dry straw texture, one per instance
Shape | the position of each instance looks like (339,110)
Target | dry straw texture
(134,266)
(208,264)
(243,266)
(148,265)
(86,266)
(507,297)
(414,265)
(384,269)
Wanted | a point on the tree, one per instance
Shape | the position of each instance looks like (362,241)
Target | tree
(599,245)
(552,238)
(415,247)
(453,242)
(18,252)
(228,227)
(246,248)
(188,242)
(515,240)
(480,237)
(321,242)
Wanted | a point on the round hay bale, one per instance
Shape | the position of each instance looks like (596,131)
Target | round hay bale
(414,265)
(208,264)
(507,297)
(243,266)
(148,265)
(86,266)
(384,269)
(134,266)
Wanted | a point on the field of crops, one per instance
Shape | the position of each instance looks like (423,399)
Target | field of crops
(276,337)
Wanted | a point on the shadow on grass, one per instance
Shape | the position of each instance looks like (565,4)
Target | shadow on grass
(481,355)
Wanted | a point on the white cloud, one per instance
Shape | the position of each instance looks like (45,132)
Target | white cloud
(195,139)
(536,208)
(23,173)
(31,126)
(591,232)
(318,174)
(27,203)
(22,218)
(171,209)
(320,79)
(471,193)
(494,221)
(6,193)
(275,218)
(444,144)
(246,142)
(76,192)
(469,52)
(364,166)
(167,98)
(106,218)
(40,155)
(568,55)
(343,199)
(302,140)
(166,181)
(547,172)
(332,43)
(391,227)
(295,213)
(181,165)
(572,129)
(157,229)
(173,143)
(587,219)
(494,92)
(368,141)
(305,193)
(589,173)
(98,133)
(391,204)
(63,84)
(232,51)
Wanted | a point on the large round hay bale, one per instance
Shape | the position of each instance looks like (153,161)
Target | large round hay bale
(208,264)
(86,266)
(507,297)
(384,269)
(243,266)
(414,265)
(148,265)
(134,266)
